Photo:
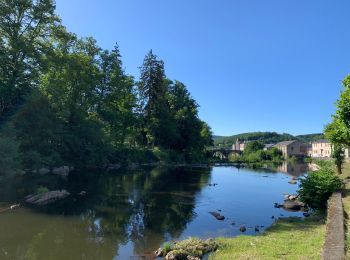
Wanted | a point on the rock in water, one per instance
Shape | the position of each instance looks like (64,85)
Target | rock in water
(293,205)
(47,197)
(243,229)
(159,252)
(218,216)
(62,171)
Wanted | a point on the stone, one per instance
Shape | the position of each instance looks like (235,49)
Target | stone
(62,171)
(293,205)
(242,229)
(82,193)
(43,171)
(159,252)
(293,197)
(176,255)
(189,257)
(46,198)
(292,182)
(218,216)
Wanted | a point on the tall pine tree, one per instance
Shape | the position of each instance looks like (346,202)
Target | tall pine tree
(158,126)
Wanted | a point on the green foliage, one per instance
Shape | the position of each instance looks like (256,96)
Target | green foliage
(67,101)
(166,247)
(338,156)
(25,26)
(318,186)
(38,131)
(9,156)
(253,146)
(42,190)
(338,130)
(254,153)
(264,137)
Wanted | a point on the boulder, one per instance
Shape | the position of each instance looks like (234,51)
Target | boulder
(189,257)
(62,171)
(43,171)
(176,255)
(293,205)
(46,198)
(293,197)
(218,216)
(159,252)
(292,182)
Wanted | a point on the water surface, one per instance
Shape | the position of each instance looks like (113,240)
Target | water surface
(129,214)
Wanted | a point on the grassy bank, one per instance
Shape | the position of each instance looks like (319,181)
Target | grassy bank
(289,238)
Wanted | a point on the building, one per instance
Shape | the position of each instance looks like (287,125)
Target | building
(239,146)
(291,148)
(321,149)
(268,146)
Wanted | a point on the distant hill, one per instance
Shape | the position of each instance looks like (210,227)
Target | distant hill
(264,137)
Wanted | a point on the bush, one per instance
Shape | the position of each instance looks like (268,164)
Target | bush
(42,190)
(318,186)
(9,156)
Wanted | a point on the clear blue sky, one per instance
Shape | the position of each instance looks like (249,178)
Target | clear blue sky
(252,65)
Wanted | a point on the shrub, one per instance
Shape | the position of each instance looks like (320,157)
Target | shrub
(318,186)
(166,247)
(9,156)
(41,190)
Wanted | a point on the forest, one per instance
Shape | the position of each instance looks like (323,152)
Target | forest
(66,101)
(265,138)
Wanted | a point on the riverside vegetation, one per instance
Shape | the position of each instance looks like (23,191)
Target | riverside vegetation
(255,154)
(66,101)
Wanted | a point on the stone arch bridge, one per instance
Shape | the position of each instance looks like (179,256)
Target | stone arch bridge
(224,153)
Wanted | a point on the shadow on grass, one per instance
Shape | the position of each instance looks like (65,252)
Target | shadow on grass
(297,224)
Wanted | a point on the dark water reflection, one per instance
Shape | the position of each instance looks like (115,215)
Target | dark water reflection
(127,214)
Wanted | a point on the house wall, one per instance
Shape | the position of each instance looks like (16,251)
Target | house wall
(321,150)
(296,149)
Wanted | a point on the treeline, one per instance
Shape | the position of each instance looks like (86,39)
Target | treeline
(264,137)
(64,100)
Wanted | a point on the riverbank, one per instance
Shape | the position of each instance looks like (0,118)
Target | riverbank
(288,238)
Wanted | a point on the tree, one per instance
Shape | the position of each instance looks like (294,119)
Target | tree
(338,156)
(71,84)
(38,131)
(253,146)
(25,26)
(117,98)
(338,131)
(154,106)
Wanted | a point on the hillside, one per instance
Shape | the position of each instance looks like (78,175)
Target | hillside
(264,137)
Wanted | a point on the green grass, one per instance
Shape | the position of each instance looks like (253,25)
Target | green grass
(289,238)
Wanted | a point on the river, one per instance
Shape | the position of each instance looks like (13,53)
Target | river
(129,214)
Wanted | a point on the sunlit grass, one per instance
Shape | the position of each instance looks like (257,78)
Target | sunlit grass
(290,238)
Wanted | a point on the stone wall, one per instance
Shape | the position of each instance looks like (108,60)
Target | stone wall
(334,247)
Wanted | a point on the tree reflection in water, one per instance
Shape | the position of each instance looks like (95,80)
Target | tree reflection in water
(145,207)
